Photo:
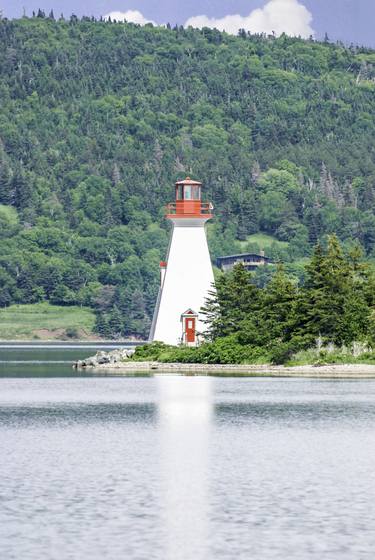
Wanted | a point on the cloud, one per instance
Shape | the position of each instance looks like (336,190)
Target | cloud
(133,16)
(279,16)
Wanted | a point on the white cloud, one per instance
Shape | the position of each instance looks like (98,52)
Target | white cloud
(279,16)
(133,16)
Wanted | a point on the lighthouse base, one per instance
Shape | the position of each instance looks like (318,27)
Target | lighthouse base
(187,281)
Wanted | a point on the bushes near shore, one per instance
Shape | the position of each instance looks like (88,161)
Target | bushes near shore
(228,351)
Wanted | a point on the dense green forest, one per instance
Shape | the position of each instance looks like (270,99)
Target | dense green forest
(98,119)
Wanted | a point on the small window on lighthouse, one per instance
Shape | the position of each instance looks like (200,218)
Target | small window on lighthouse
(180,193)
(187,193)
(196,192)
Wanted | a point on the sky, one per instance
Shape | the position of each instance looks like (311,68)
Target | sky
(345,20)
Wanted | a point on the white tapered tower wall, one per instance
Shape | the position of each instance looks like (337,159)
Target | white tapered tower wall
(188,279)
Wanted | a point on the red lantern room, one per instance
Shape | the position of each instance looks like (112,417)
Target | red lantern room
(188,201)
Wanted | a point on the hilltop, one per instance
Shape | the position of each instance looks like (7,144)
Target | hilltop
(98,119)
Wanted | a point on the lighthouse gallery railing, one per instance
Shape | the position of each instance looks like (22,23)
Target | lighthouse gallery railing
(189,208)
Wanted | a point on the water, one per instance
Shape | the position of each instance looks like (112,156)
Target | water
(184,468)
(48,359)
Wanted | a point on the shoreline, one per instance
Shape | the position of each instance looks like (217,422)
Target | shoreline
(344,371)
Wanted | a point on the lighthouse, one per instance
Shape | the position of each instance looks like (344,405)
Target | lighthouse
(186,276)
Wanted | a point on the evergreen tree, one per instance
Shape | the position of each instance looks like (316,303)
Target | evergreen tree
(22,189)
(234,299)
(139,322)
(277,304)
(115,323)
(332,303)
(6,186)
(102,325)
(269,322)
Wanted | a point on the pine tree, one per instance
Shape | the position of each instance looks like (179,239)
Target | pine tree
(115,322)
(321,302)
(332,303)
(234,299)
(101,325)
(139,321)
(278,300)
(22,189)
(133,308)
(248,221)
(360,301)
(6,186)
(212,313)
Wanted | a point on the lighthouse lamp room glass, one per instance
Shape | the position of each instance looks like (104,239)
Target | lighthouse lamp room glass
(186,276)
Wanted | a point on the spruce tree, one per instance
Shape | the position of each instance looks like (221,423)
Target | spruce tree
(212,313)
(278,301)
(115,322)
(6,186)
(101,325)
(22,189)
(269,321)
(234,299)
(332,303)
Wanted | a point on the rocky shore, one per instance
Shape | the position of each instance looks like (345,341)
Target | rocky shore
(117,362)
(102,358)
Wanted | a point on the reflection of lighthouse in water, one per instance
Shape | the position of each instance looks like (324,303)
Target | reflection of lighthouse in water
(187,276)
(185,417)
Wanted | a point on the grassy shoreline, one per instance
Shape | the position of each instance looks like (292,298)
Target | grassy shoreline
(43,321)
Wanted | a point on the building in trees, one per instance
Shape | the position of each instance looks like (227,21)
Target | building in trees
(250,261)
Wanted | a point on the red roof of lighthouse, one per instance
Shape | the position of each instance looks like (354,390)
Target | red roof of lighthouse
(188,181)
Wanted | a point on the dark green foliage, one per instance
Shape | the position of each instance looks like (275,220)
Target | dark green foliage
(7,288)
(270,319)
(333,302)
(234,299)
(225,350)
(98,119)
(281,351)
(150,351)
(102,325)
(71,332)
(6,185)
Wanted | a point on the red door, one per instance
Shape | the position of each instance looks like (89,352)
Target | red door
(190,329)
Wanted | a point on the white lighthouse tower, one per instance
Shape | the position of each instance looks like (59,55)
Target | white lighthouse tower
(187,276)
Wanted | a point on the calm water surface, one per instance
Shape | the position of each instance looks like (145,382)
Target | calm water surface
(184,468)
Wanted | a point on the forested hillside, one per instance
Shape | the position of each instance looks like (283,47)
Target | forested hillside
(98,119)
